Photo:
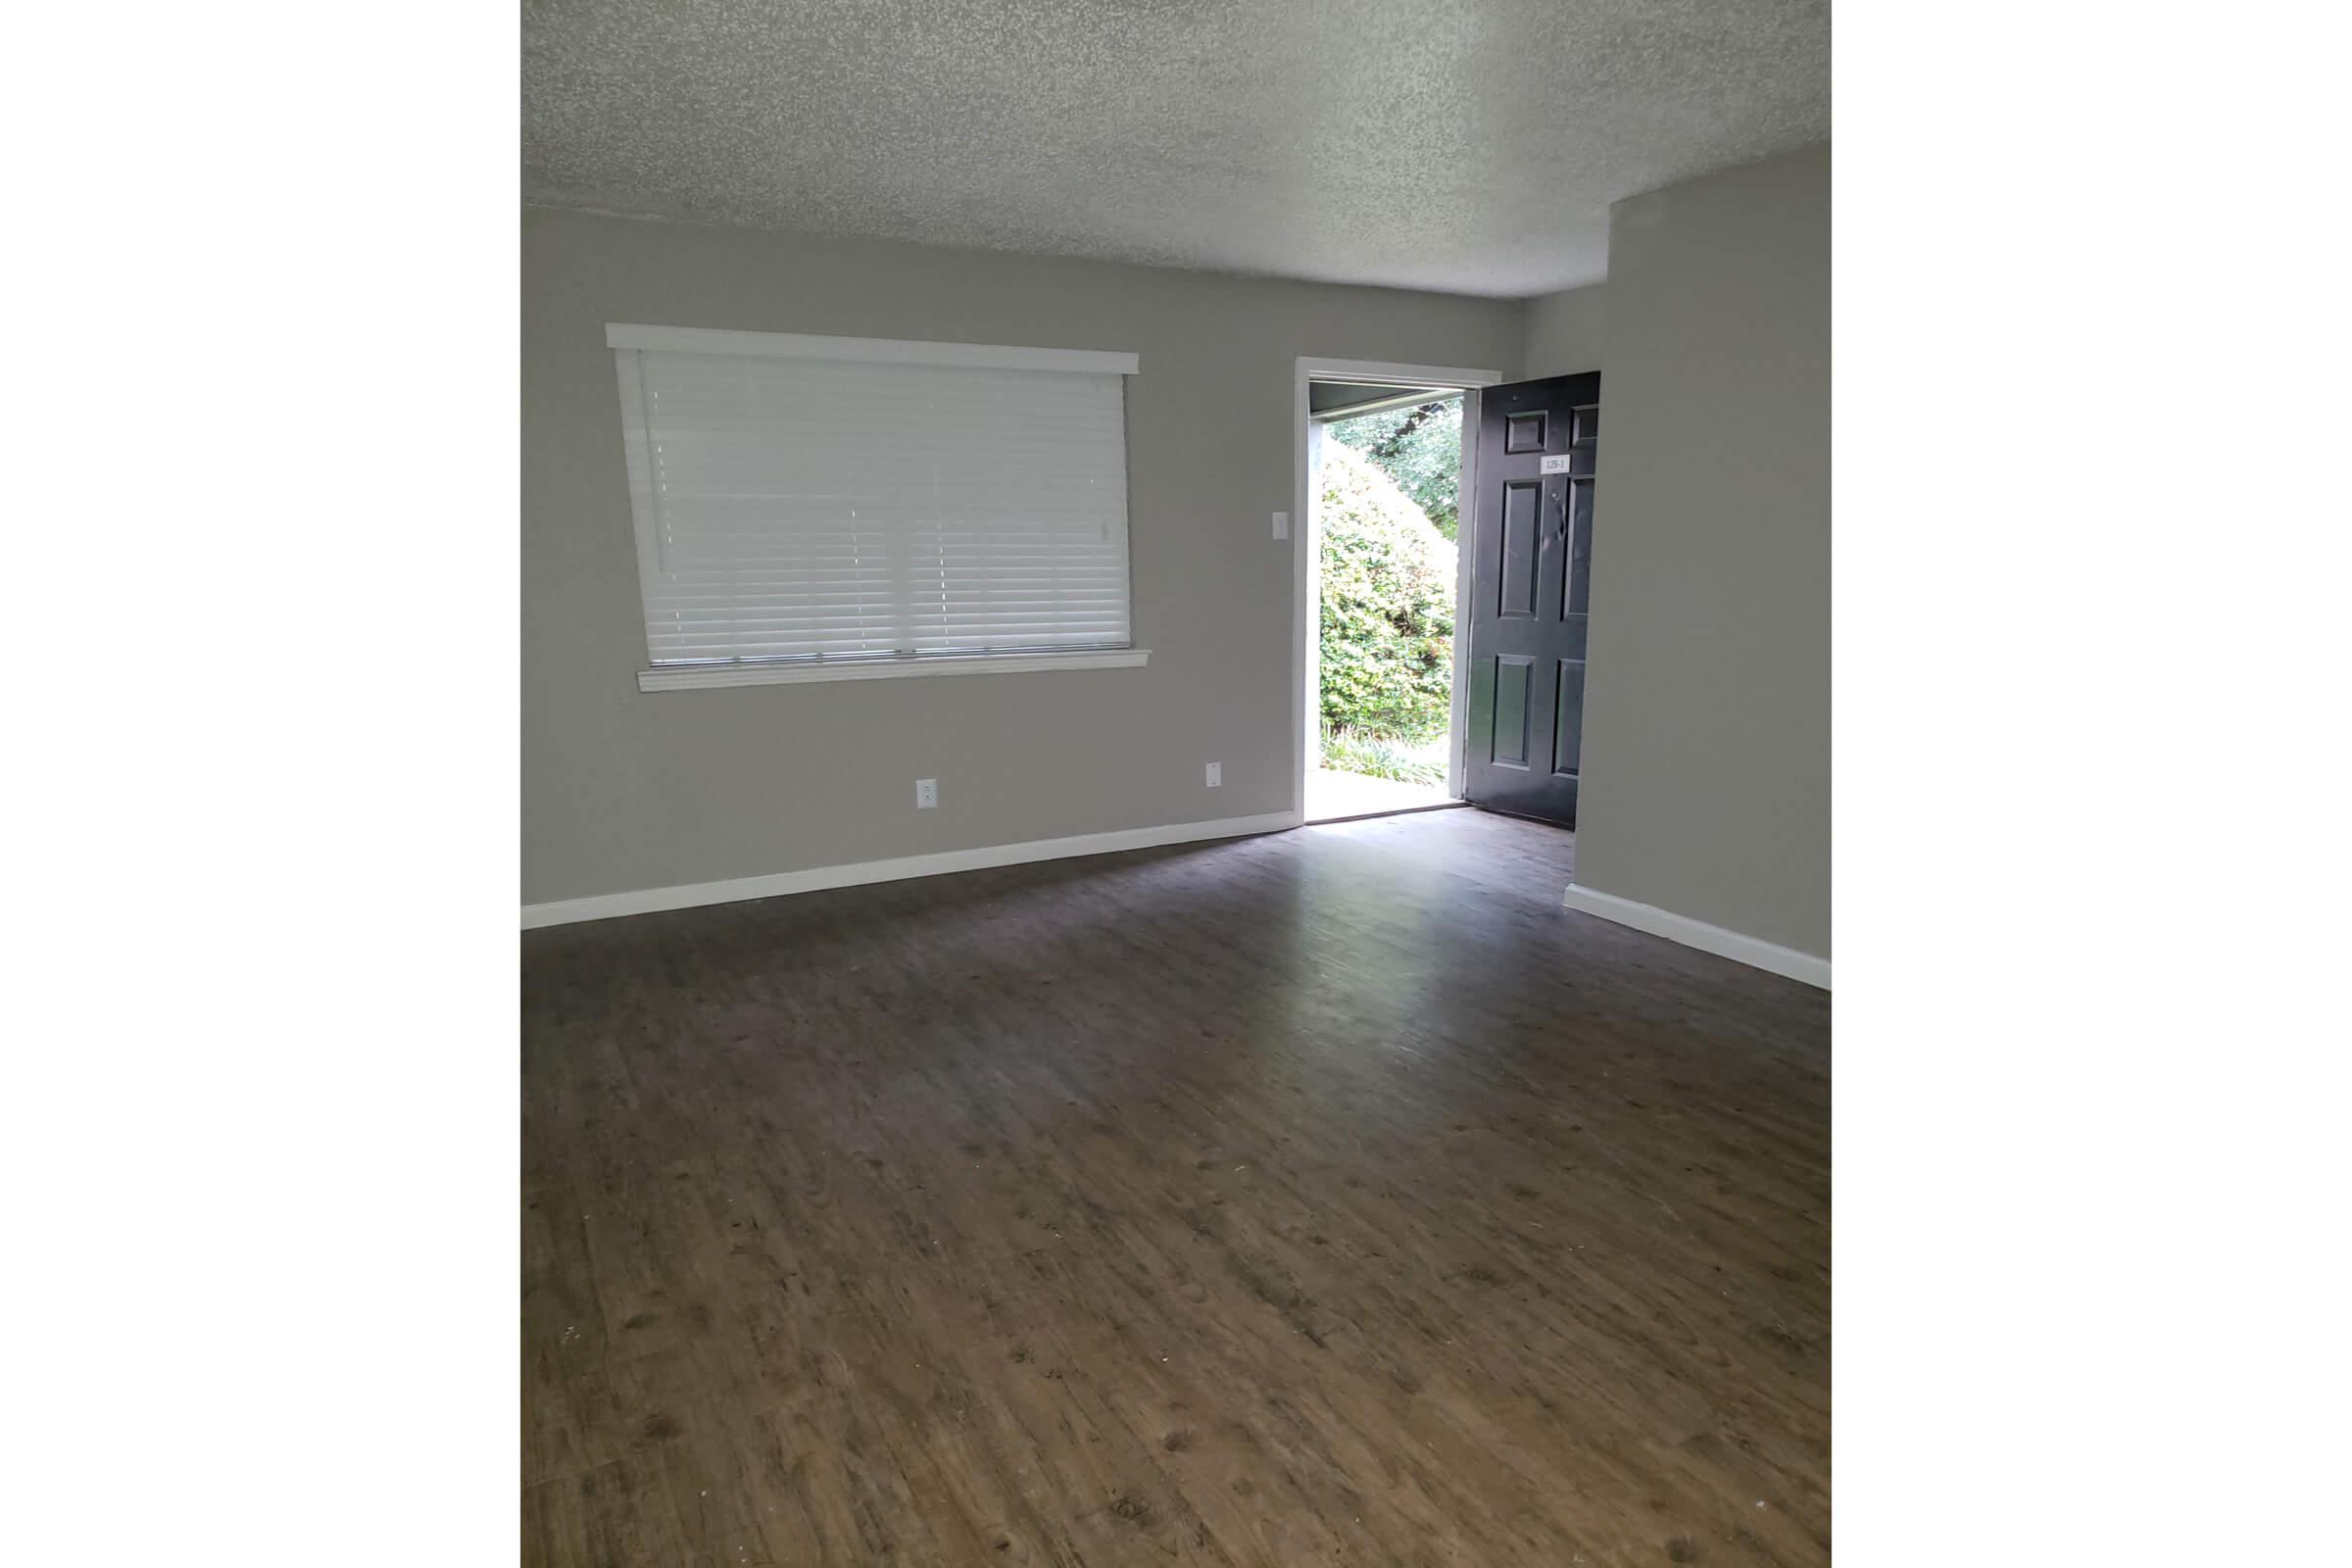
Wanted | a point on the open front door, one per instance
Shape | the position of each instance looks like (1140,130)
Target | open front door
(1531,584)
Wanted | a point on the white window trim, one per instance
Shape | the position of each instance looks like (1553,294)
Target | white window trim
(868,350)
(787,673)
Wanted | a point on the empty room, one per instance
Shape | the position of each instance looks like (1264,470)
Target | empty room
(986,483)
(1069,783)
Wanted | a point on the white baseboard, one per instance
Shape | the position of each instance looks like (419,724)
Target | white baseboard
(606,906)
(1747,949)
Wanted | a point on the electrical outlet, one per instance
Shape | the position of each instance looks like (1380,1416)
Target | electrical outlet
(1216,775)
(926,794)
(1282,526)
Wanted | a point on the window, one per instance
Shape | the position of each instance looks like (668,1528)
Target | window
(823,507)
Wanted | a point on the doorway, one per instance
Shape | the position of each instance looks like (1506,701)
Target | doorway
(1387,454)
(1520,551)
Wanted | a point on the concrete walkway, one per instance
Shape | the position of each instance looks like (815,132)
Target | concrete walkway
(1333,797)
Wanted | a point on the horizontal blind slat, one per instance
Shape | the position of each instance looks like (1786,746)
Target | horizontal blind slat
(800,507)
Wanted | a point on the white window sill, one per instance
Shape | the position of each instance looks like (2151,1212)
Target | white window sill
(694,678)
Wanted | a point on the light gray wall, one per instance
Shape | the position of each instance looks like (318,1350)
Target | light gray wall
(625,790)
(1706,786)
(1566,332)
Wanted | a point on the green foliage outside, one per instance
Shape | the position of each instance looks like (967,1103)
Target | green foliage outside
(1420,448)
(1387,613)
(1346,752)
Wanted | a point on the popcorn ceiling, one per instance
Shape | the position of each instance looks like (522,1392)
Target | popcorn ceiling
(1466,145)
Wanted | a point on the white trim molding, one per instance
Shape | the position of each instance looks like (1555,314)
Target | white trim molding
(697,677)
(1380,372)
(607,905)
(865,350)
(1735,945)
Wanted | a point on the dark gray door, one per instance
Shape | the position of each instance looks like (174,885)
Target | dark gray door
(1531,586)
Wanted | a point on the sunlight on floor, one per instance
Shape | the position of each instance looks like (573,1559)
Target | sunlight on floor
(1333,796)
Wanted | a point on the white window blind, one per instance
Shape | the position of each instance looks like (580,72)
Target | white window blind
(814,499)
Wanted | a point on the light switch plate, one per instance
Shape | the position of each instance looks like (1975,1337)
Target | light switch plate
(1282,526)
(1216,775)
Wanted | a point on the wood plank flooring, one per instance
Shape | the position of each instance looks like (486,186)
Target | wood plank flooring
(1332,1197)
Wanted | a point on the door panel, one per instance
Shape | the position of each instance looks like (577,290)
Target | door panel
(1568,718)
(1512,677)
(1530,595)
(1577,594)
(1522,505)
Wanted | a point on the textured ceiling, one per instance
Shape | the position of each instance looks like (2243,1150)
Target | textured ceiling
(1466,145)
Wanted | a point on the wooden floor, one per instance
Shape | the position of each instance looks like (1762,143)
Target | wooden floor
(1332,1197)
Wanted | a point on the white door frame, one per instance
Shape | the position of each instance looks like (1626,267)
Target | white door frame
(1305,565)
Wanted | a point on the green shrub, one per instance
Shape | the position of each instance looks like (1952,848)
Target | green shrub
(1388,605)
(1420,448)
(1373,756)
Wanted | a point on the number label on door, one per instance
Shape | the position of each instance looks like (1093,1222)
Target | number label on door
(1558,464)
